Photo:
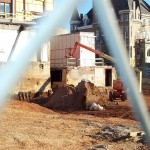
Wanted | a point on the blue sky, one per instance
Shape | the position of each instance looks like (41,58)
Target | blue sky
(83,6)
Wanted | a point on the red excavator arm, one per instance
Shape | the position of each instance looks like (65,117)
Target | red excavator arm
(77,44)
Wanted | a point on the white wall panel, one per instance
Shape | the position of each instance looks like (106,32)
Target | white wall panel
(7,39)
(44,52)
(87,58)
(62,43)
(24,38)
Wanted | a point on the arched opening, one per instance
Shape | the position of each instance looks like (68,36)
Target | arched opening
(148,52)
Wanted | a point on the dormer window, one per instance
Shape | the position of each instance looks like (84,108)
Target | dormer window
(74,27)
(86,20)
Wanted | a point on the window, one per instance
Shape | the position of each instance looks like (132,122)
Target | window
(2,8)
(97,36)
(148,52)
(126,31)
(131,52)
(5,8)
(139,16)
(86,20)
(142,53)
(121,17)
(131,16)
(131,31)
(126,17)
(75,27)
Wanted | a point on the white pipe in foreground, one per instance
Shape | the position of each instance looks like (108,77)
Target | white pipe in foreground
(110,27)
(13,70)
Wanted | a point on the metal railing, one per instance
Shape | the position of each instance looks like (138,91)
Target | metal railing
(99,61)
(18,16)
(71,62)
(74,62)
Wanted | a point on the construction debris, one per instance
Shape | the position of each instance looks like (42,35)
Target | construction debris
(100,147)
(120,133)
(79,97)
(96,107)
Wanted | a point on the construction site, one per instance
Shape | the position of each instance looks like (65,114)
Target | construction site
(66,103)
(71,95)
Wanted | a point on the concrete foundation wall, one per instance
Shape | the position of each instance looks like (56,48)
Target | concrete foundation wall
(36,78)
(96,75)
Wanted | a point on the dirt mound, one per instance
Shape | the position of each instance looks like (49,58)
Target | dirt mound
(79,97)
(28,107)
(146,92)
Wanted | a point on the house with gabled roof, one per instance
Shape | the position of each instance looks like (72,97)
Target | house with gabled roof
(133,17)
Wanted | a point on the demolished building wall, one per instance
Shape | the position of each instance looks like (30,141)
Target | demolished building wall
(82,66)
(20,15)
(37,76)
(35,79)
(101,76)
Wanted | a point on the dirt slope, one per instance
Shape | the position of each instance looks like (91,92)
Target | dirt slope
(79,97)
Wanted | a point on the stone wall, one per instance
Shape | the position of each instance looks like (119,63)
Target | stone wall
(35,79)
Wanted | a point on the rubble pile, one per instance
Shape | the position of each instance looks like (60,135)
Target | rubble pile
(120,133)
(79,97)
(63,97)
(100,147)
(96,107)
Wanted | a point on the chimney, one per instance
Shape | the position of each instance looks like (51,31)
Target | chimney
(81,16)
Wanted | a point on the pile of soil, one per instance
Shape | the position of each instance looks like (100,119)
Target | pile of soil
(25,106)
(79,97)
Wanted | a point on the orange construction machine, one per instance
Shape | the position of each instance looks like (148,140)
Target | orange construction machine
(118,91)
(78,44)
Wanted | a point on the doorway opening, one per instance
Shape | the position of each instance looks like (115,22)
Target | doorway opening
(56,76)
(108,77)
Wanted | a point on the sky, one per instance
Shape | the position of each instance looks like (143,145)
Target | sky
(83,7)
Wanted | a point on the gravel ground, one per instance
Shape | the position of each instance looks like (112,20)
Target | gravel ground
(30,126)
